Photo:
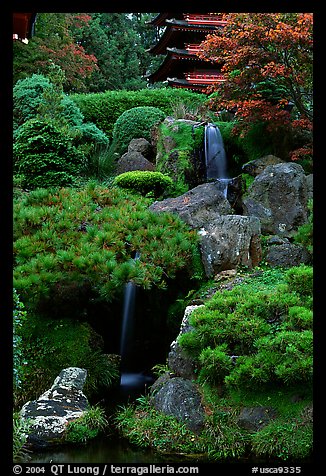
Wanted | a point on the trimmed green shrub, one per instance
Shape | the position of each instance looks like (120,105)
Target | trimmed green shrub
(134,123)
(144,182)
(265,326)
(103,109)
(300,279)
(45,155)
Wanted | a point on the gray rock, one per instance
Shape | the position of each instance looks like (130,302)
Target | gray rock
(230,241)
(288,255)
(131,161)
(278,197)
(142,146)
(50,413)
(180,398)
(198,206)
(255,418)
(178,361)
(256,167)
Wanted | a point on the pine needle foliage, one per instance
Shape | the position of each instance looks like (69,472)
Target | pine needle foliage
(67,237)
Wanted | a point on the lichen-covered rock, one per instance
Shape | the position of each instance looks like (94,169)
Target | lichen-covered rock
(55,408)
(256,167)
(287,255)
(255,418)
(131,161)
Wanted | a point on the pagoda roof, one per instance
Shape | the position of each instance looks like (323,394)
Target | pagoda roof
(23,24)
(159,20)
(177,62)
(177,37)
(197,80)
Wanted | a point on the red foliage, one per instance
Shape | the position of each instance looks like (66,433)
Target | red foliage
(257,49)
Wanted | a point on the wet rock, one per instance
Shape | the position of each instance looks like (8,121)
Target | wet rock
(256,167)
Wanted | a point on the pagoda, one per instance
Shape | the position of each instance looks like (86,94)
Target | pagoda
(23,26)
(180,43)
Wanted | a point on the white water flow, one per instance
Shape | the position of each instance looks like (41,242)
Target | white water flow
(215,157)
(128,315)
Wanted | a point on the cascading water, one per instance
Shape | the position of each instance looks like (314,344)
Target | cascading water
(215,157)
(130,381)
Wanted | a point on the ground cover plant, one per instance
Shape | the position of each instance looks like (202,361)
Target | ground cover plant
(251,345)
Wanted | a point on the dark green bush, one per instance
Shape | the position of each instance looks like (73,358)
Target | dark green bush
(300,279)
(35,95)
(144,182)
(103,109)
(134,123)
(45,155)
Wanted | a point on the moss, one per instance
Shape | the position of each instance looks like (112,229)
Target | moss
(182,162)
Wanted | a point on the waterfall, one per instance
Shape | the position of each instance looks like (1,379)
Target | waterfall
(130,382)
(128,315)
(215,157)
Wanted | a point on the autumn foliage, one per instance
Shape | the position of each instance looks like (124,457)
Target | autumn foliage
(266,60)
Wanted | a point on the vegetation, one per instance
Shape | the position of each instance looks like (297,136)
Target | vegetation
(144,182)
(79,97)
(134,123)
(252,346)
(103,109)
(274,53)
(88,426)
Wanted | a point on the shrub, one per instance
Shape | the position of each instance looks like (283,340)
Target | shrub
(21,428)
(45,156)
(69,240)
(134,123)
(215,364)
(300,279)
(304,233)
(104,108)
(144,182)
(35,95)
(27,97)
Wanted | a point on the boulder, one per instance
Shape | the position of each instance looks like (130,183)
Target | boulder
(180,398)
(287,255)
(178,361)
(255,418)
(198,206)
(142,146)
(54,409)
(131,161)
(256,167)
(230,241)
(278,197)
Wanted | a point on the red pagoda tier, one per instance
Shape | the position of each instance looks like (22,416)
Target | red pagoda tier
(23,25)
(180,42)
